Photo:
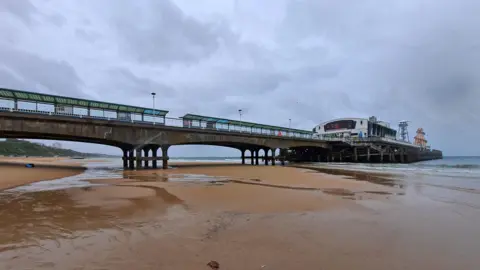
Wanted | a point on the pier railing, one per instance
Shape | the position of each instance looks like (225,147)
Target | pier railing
(179,123)
(172,122)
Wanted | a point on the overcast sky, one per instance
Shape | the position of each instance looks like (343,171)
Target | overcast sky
(308,60)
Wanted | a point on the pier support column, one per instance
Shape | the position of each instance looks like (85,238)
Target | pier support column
(402,155)
(145,154)
(283,156)
(368,154)
(381,156)
(125,158)
(266,156)
(243,156)
(340,156)
(138,158)
(252,156)
(256,156)
(131,164)
(165,156)
(154,155)
(355,155)
(391,156)
(273,156)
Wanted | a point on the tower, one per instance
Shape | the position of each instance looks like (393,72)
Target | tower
(403,131)
(420,138)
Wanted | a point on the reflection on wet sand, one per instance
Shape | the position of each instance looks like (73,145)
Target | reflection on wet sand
(242,217)
(30,217)
(375,178)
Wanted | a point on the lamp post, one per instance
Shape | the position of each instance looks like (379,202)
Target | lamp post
(153,99)
(240,112)
(289,123)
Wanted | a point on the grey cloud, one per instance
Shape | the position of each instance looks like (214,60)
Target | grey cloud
(23,9)
(33,72)
(121,85)
(162,33)
(416,61)
(56,19)
(88,36)
(400,60)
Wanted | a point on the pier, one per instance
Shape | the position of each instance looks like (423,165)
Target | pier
(144,135)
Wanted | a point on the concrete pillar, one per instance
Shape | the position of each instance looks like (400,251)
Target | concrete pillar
(243,156)
(355,156)
(252,156)
(402,155)
(273,156)
(131,158)
(165,156)
(381,156)
(154,155)
(125,158)
(145,154)
(256,156)
(266,156)
(138,158)
(283,154)
(368,154)
(340,156)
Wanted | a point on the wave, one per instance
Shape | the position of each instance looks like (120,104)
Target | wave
(452,166)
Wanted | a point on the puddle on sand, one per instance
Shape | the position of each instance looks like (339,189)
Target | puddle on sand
(222,180)
(164,177)
(375,178)
(29,217)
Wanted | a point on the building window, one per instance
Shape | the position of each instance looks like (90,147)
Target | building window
(361,122)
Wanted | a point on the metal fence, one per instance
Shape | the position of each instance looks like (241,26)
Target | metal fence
(174,122)
(180,123)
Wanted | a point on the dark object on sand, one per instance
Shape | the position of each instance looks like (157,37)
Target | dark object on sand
(29,165)
(214,264)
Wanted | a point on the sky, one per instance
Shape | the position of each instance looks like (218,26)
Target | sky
(305,60)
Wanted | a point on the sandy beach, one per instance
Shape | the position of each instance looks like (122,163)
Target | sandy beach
(243,217)
(14,173)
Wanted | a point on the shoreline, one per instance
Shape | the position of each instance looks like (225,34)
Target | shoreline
(244,217)
(16,174)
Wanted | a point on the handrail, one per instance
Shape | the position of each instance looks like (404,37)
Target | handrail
(179,123)
(172,122)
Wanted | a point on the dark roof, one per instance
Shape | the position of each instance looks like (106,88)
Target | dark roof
(241,123)
(37,97)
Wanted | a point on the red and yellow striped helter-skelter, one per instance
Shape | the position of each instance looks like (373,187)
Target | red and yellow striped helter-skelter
(420,138)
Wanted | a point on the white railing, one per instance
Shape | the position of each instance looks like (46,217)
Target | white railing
(175,122)
(178,122)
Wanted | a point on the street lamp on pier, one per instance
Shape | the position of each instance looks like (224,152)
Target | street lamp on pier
(153,100)
(289,123)
(240,112)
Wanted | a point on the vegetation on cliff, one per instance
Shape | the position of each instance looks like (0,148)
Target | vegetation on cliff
(14,147)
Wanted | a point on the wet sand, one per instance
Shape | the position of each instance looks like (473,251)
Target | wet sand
(13,175)
(243,217)
(57,161)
